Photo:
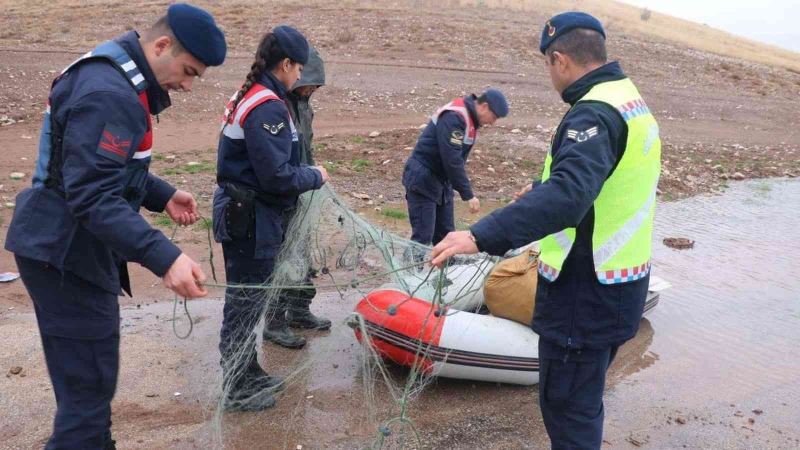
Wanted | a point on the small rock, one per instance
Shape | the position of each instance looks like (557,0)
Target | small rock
(751,421)
(16,175)
(758,412)
(738,176)
(170,157)
(490,169)
(151,395)
(516,130)
(15,370)
(309,397)
(680,420)
(10,205)
(177,394)
(192,163)
(708,161)
(386,162)
(375,134)
(679,243)
(360,196)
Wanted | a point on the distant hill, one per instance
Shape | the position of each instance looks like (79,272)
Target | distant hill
(630,19)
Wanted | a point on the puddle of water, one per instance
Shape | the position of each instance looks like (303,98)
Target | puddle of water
(726,333)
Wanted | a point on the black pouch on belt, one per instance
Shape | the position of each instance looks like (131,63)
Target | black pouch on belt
(240,212)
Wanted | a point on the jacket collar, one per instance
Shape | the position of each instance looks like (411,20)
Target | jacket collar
(609,72)
(469,102)
(272,83)
(157,97)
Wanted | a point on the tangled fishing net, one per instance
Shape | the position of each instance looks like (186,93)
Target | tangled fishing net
(349,258)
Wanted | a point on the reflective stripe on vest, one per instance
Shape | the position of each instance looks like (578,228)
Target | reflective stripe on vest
(258,94)
(113,52)
(624,209)
(458,105)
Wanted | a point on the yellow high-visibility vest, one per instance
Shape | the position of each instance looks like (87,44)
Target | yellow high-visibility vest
(624,209)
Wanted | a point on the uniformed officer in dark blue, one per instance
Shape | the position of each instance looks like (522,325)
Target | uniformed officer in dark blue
(436,166)
(260,177)
(298,100)
(593,212)
(75,229)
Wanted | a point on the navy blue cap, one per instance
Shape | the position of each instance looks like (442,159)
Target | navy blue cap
(561,23)
(497,102)
(292,42)
(197,32)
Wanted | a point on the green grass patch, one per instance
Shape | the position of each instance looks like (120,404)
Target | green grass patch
(359,165)
(330,166)
(203,167)
(358,139)
(163,221)
(158,157)
(172,171)
(394,213)
(530,165)
(203,224)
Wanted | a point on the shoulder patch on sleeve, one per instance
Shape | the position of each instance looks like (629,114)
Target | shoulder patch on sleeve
(115,143)
(582,135)
(274,129)
(457,137)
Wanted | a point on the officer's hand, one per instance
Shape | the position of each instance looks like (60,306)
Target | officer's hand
(455,243)
(185,278)
(522,192)
(324,173)
(474,205)
(182,208)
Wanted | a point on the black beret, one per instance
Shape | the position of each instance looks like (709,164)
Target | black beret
(561,23)
(292,42)
(197,32)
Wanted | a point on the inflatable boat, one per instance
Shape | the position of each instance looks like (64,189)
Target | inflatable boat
(452,343)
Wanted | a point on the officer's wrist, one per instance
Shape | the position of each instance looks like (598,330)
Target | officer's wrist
(473,239)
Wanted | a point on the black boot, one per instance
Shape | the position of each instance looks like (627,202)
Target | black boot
(277,331)
(250,390)
(302,317)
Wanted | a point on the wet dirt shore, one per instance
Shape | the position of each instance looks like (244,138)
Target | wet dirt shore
(709,368)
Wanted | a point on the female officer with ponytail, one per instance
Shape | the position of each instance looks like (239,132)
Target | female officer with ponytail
(259,176)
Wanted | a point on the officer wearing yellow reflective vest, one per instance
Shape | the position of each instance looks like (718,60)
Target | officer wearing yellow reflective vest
(593,212)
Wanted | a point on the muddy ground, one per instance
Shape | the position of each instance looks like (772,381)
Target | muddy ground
(388,68)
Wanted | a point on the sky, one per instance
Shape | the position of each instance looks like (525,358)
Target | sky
(775,22)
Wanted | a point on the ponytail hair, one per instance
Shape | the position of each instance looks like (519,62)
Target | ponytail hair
(268,55)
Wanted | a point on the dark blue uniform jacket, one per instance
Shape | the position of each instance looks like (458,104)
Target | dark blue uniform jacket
(436,165)
(268,164)
(90,225)
(575,310)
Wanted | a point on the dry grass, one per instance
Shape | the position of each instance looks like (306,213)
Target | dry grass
(627,18)
(76,24)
